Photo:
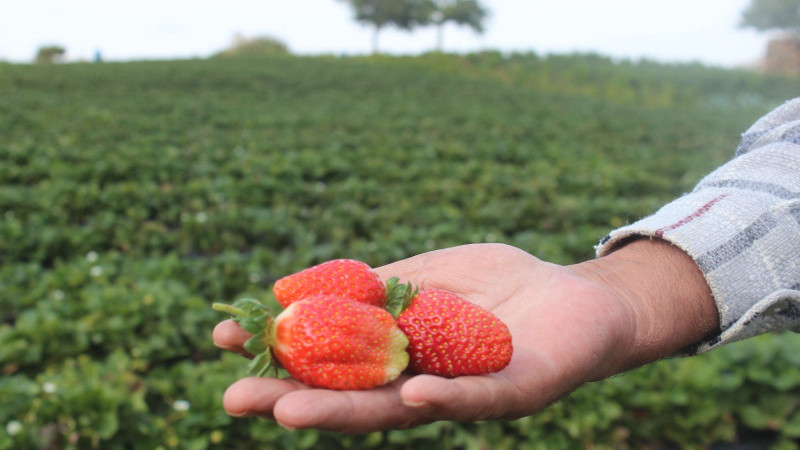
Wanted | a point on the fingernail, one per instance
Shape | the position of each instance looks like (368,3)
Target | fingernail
(286,427)
(415,405)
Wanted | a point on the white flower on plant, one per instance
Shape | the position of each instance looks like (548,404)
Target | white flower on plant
(49,387)
(14,427)
(92,256)
(58,295)
(96,271)
(181,405)
(201,217)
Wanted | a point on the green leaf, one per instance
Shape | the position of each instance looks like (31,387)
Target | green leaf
(261,364)
(398,296)
(257,344)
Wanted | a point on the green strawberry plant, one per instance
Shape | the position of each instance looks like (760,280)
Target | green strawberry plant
(134,195)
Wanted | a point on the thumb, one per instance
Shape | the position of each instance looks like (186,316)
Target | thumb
(466,399)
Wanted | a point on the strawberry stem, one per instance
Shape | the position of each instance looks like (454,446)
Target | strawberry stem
(230,309)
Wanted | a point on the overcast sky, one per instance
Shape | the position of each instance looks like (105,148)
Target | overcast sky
(665,30)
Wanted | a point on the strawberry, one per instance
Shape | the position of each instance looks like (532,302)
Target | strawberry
(449,336)
(340,277)
(325,341)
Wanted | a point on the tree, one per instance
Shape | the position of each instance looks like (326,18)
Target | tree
(403,14)
(461,12)
(764,15)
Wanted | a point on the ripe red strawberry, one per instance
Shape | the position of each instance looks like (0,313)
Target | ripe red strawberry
(449,336)
(340,277)
(338,343)
(325,341)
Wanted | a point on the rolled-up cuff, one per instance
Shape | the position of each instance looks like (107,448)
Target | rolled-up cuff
(745,244)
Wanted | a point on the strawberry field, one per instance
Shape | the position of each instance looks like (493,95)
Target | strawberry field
(134,195)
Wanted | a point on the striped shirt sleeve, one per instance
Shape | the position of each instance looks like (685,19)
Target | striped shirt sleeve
(741,224)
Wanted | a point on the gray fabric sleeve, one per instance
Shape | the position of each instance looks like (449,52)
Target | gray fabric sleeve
(741,224)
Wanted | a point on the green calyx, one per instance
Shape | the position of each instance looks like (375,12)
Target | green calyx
(398,296)
(254,317)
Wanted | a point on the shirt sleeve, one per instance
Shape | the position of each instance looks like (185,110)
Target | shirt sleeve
(741,224)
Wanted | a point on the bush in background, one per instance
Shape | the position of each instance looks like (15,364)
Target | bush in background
(258,46)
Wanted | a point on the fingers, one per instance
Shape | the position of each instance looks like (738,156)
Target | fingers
(404,403)
(461,399)
(348,411)
(295,406)
(257,396)
(228,335)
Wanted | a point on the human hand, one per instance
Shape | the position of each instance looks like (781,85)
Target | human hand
(570,325)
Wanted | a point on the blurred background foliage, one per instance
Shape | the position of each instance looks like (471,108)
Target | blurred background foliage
(133,195)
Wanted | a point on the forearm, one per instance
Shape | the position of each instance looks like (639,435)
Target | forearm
(667,295)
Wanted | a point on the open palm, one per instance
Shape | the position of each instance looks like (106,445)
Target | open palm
(565,327)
